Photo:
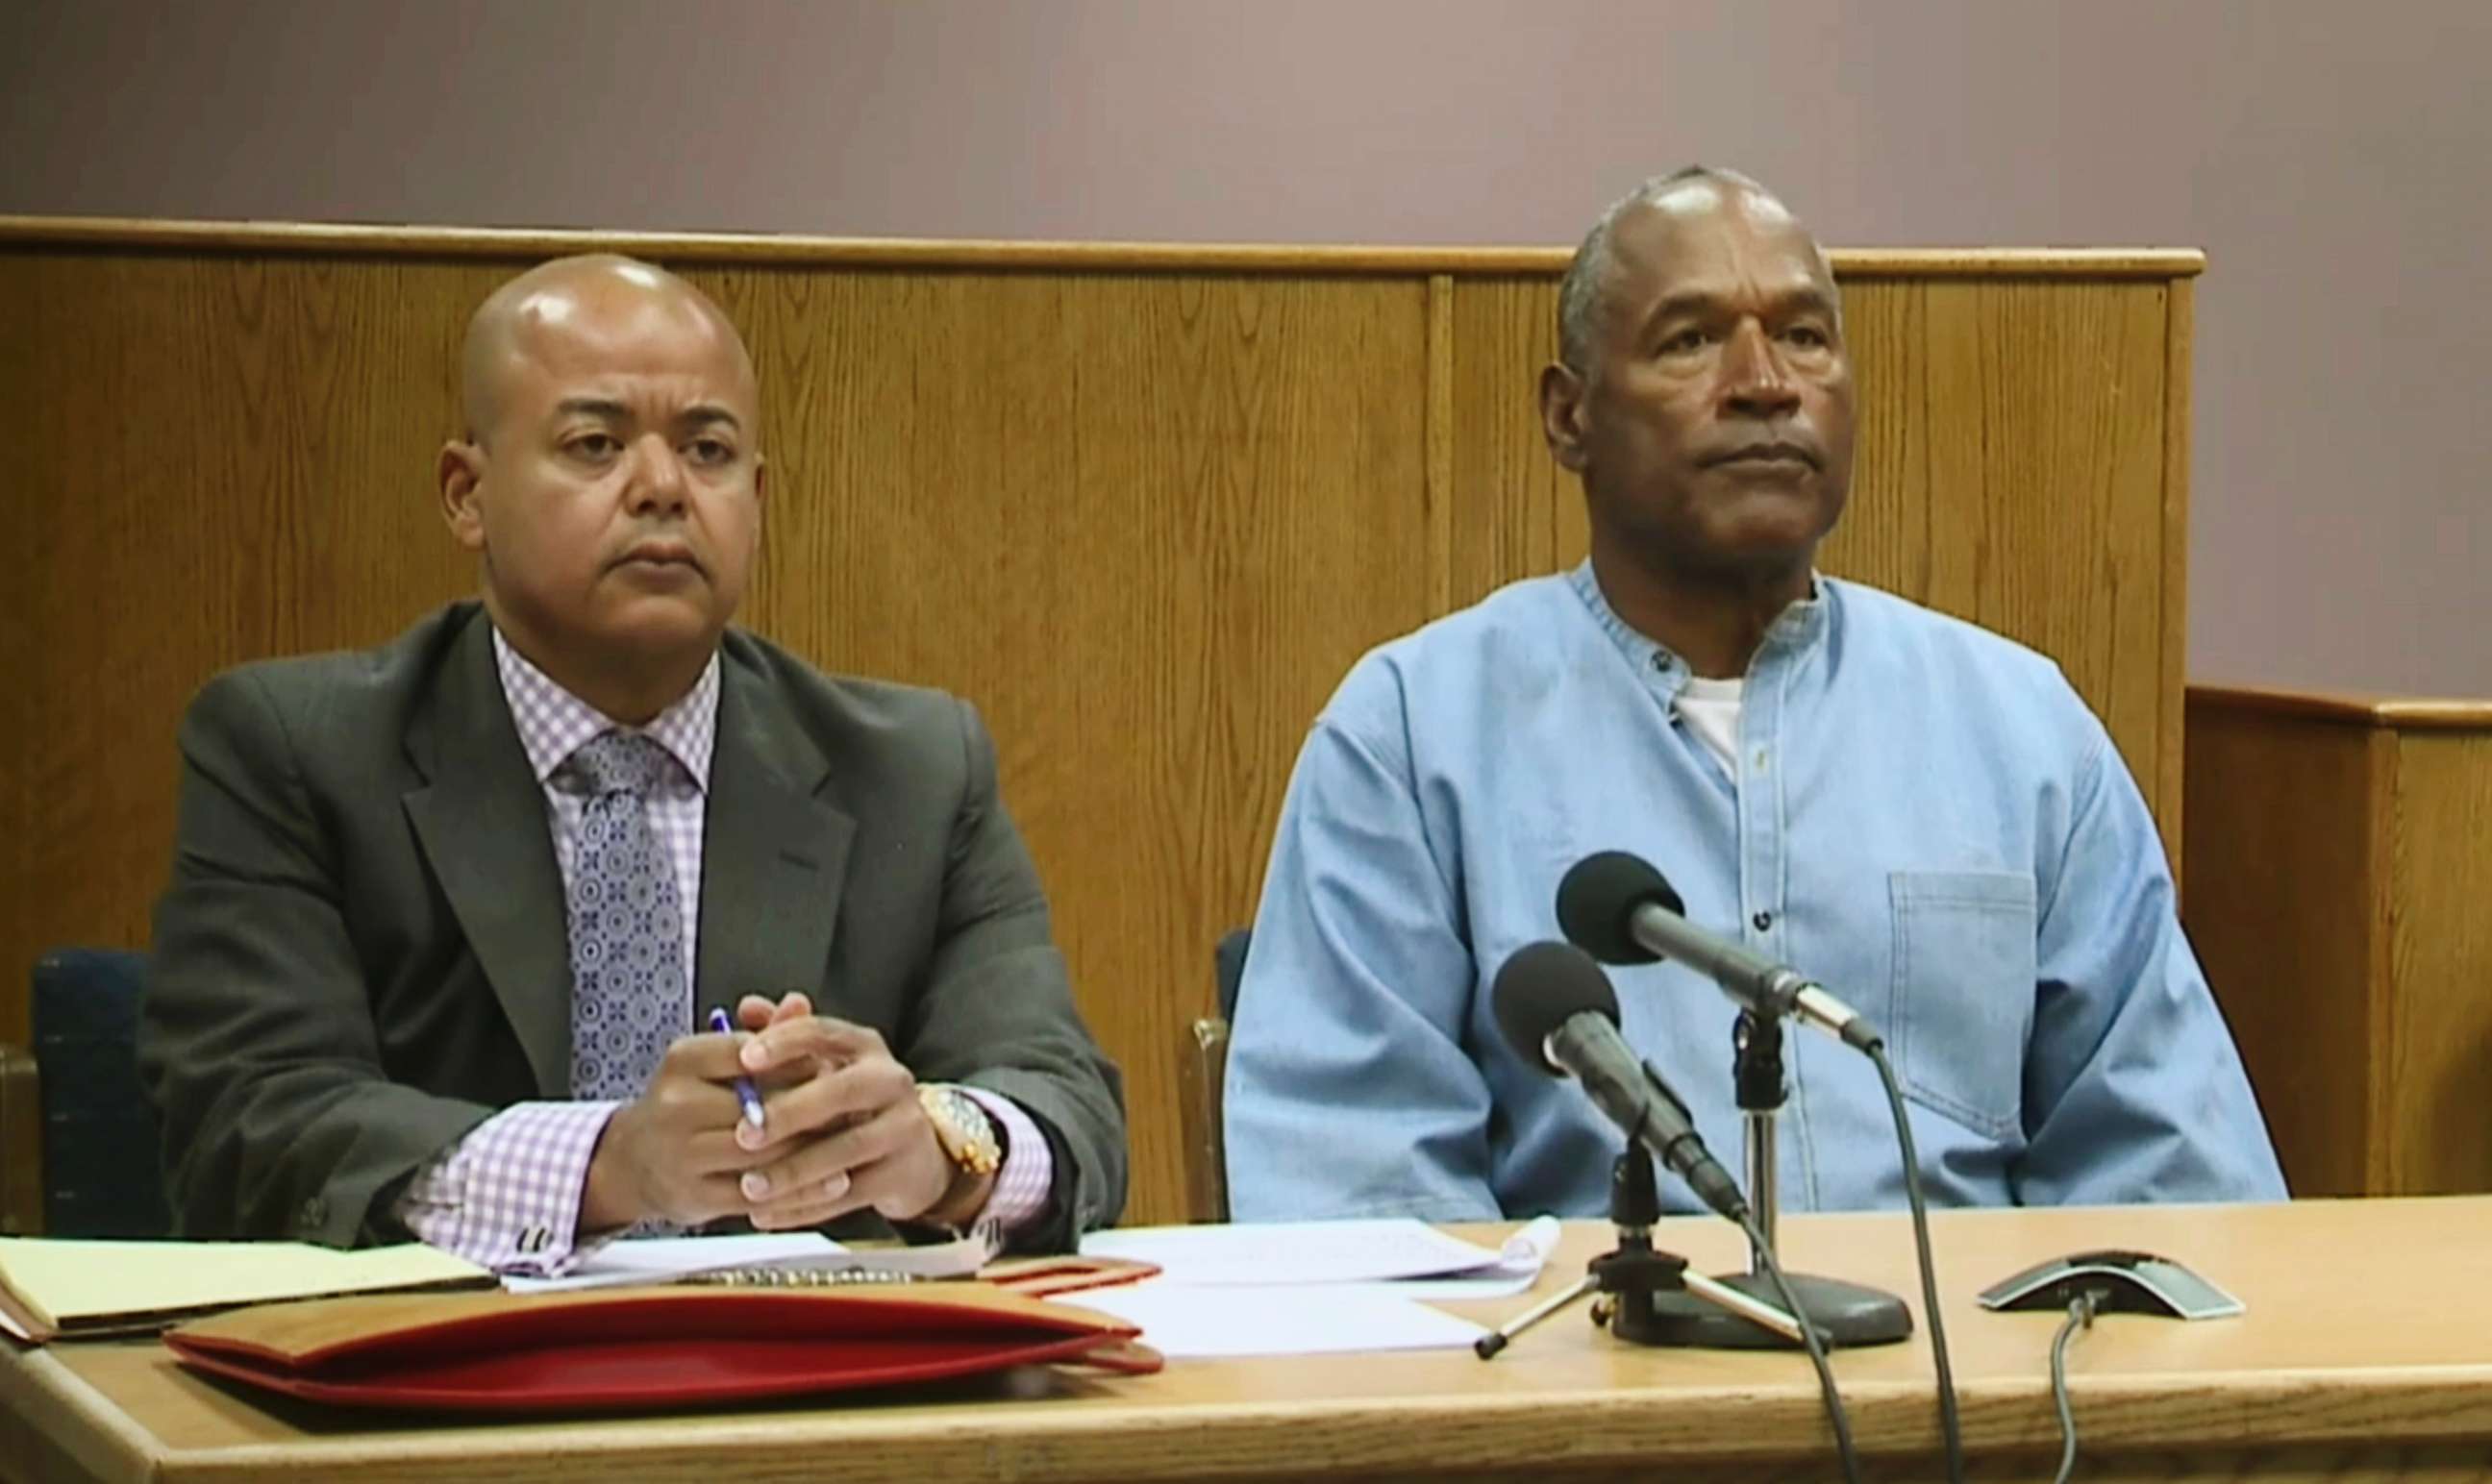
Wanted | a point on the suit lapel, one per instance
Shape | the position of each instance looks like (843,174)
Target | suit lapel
(774,851)
(480,817)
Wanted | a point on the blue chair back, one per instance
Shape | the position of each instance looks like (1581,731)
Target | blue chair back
(104,1174)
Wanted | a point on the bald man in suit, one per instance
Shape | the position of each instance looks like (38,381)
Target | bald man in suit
(445,917)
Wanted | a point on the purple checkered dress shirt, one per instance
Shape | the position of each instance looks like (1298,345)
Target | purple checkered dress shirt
(508,1194)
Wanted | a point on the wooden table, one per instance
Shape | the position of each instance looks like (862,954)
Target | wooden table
(2366,1354)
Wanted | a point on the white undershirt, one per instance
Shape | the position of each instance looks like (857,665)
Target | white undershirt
(1711,710)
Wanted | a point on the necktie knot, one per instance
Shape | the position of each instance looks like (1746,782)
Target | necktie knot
(621,762)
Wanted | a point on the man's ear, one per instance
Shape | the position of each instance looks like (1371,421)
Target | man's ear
(461,474)
(1561,415)
(761,502)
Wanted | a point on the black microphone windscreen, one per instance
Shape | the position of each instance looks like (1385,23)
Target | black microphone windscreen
(1542,987)
(1597,901)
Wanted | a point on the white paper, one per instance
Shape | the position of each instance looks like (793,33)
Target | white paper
(1518,1267)
(1294,1252)
(1199,1324)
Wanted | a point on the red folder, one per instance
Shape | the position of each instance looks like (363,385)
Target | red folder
(640,1349)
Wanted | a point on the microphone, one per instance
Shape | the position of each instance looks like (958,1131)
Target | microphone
(1620,911)
(1558,1010)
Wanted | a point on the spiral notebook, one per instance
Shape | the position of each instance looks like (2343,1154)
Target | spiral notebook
(778,1258)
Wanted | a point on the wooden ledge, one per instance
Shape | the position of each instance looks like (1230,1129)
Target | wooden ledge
(119,234)
(2350,708)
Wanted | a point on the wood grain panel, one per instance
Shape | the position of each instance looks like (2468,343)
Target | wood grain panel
(2438,1043)
(2280,888)
(2180,386)
(2335,889)
(1893,533)
(2401,713)
(223,460)
(524,244)
(37,514)
(1142,505)
(1512,504)
(2010,469)
(1145,524)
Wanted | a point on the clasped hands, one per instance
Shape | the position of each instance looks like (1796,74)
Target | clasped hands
(844,1131)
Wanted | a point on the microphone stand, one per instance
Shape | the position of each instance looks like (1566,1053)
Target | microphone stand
(1635,1277)
(1845,1312)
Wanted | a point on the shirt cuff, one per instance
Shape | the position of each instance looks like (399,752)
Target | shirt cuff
(1027,1175)
(507,1195)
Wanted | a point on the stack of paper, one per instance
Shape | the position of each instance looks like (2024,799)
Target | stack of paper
(1310,1288)
(53,1288)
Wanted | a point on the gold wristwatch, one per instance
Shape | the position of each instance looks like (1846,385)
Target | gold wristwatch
(969,1137)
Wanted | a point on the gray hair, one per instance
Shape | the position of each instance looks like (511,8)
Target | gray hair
(1587,276)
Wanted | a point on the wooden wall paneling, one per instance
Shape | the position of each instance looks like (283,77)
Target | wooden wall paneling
(219,460)
(2283,893)
(1510,499)
(26,631)
(2169,792)
(1890,535)
(1439,435)
(2438,1049)
(2005,426)
(2337,873)
(2040,483)
(1146,522)
(988,254)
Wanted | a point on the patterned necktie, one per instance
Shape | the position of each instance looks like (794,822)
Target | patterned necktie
(628,997)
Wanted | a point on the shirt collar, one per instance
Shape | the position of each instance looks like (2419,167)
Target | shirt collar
(553,723)
(1798,628)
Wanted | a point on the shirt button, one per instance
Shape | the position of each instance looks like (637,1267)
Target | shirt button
(1763,921)
(1761,759)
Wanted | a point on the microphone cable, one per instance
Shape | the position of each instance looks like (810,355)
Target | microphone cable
(1950,1426)
(2081,1316)
(1808,1338)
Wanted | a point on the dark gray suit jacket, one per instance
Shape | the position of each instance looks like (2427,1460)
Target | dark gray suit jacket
(362,953)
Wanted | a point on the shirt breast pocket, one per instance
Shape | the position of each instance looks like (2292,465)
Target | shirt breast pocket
(1961,1003)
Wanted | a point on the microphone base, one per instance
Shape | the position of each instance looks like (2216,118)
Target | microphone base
(1844,1314)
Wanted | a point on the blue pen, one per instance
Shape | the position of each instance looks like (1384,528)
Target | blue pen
(745,1092)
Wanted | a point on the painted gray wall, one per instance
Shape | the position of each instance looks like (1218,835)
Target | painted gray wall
(2328,157)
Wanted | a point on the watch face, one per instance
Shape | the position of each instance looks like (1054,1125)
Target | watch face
(962,1128)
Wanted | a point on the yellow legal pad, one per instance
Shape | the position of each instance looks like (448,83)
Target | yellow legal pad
(52,1288)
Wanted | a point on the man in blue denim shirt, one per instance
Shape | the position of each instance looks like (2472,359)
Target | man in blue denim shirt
(1915,811)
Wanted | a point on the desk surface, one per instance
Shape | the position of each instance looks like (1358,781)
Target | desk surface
(2367,1352)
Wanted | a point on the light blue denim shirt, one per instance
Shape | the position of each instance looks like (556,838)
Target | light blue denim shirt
(1926,819)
